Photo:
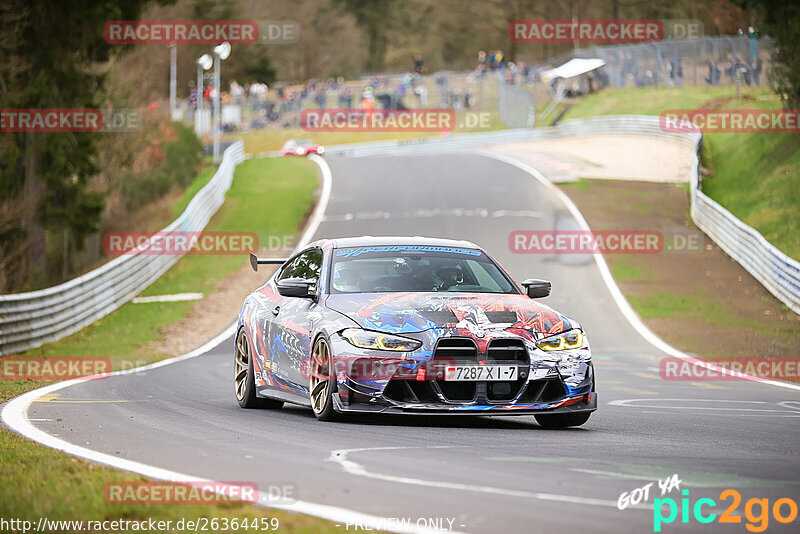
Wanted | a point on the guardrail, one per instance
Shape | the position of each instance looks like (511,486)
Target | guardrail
(776,271)
(28,320)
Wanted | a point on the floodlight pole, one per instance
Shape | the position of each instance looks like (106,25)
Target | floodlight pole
(216,107)
(199,110)
(173,79)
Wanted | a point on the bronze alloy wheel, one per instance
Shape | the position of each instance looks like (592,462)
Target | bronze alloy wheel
(321,382)
(244,380)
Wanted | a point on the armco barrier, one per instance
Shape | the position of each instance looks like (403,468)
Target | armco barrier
(779,273)
(28,320)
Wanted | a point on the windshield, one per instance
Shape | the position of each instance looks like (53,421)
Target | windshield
(416,268)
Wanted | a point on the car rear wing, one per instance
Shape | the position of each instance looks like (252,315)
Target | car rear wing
(255,261)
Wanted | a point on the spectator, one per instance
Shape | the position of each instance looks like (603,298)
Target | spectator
(321,98)
(753,40)
(481,60)
(192,98)
(498,58)
(730,69)
(422,95)
(236,91)
(757,66)
(368,102)
(418,64)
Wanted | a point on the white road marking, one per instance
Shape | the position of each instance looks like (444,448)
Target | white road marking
(322,203)
(175,297)
(340,456)
(634,403)
(622,303)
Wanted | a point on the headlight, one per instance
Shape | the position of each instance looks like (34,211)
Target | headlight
(367,339)
(320,150)
(571,339)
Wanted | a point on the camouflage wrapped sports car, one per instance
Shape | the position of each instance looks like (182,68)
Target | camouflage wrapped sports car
(409,325)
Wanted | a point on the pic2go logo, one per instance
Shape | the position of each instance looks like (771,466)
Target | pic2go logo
(756,511)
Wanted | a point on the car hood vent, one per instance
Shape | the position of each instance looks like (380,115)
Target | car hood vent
(440,317)
(502,316)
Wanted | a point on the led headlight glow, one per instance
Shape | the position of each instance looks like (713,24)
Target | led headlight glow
(367,339)
(569,340)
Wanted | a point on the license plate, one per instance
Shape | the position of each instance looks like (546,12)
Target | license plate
(475,373)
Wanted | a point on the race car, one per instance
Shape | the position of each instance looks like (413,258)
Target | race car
(409,325)
(301,147)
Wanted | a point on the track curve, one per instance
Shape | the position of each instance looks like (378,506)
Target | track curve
(502,474)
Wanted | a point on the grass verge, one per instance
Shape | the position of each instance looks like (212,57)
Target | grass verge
(39,482)
(754,175)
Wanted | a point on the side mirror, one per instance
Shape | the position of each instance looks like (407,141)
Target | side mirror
(536,288)
(296,287)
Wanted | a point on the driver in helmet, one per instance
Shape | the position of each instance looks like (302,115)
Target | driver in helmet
(450,277)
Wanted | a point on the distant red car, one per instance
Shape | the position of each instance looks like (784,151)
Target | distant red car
(303,147)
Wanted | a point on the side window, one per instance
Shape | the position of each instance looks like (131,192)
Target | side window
(307,265)
(288,269)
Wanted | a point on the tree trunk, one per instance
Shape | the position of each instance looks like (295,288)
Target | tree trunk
(377,48)
(35,235)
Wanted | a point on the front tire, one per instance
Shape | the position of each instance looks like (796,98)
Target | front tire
(322,382)
(244,378)
(561,420)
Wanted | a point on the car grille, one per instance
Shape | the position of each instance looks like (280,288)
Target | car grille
(507,350)
(456,350)
(464,351)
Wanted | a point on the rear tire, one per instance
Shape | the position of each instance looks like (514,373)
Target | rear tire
(322,382)
(244,378)
(561,420)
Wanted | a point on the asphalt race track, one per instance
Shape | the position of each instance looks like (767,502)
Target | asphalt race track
(502,474)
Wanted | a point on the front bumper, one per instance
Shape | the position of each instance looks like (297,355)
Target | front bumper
(374,382)
(578,404)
